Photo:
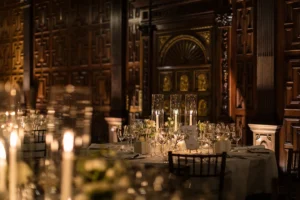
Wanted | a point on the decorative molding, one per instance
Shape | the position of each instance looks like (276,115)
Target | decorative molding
(184,43)
(162,40)
(265,135)
(223,22)
(205,35)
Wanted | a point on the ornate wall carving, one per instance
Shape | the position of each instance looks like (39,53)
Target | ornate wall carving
(11,41)
(71,47)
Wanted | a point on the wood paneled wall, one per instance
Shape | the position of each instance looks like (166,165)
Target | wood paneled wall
(11,41)
(243,64)
(71,45)
(288,75)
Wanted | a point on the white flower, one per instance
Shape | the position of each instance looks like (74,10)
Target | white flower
(96,186)
(95,164)
(124,182)
(166,124)
(152,123)
(110,173)
(119,167)
(171,122)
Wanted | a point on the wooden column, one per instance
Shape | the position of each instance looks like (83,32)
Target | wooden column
(224,22)
(118,58)
(265,84)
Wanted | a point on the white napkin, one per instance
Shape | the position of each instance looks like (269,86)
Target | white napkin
(250,147)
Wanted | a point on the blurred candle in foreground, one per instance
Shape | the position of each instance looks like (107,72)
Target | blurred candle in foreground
(13,166)
(67,166)
(3,164)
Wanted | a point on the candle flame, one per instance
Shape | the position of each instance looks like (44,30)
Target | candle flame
(13,139)
(176,111)
(68,141)
(2,151)
(191,112)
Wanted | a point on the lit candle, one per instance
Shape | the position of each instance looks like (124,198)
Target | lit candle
(67,166)
(191,117)
(157,121)
(13,166)
(175,119)
(2,168)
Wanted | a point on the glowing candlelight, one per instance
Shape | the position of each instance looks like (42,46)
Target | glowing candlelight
(175,119)
(191,117)
(67,166)
(13,166)
(3,164)
(157,120)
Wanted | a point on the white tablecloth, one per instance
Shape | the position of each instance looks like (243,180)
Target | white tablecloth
(248,173)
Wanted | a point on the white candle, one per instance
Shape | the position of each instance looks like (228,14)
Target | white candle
(175,120)
(157,121)
(191,117)
(3,164)
(67,166)
(13,166)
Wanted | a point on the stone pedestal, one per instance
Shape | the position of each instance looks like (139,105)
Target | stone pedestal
(265,135)
(112,125)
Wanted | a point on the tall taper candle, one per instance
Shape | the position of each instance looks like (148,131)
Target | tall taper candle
(157,121)
(3,165)
(175,120)
(13,166)
(67,166)
(191,117)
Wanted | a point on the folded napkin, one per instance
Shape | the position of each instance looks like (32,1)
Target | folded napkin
(250,147)
(264,151)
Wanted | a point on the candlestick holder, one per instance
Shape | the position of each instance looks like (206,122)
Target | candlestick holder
(175,109)
(158,110)
(190,113)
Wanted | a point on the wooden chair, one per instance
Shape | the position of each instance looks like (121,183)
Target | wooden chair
(197,165)
(35,149)
(293,165)
(287,187)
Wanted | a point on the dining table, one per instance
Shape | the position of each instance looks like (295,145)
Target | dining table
(249,170)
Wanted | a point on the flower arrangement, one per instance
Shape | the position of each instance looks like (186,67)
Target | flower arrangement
(146,130)
(201,126)
(99,178)
(170,123)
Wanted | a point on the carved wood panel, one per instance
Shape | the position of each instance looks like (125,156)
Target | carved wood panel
(72,45)
(184,67)
(71,40)
(289,135)
(134,66)
(11,41)
(244,64)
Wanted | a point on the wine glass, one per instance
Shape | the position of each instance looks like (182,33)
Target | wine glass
(120,134)
(162,139)
(237,135)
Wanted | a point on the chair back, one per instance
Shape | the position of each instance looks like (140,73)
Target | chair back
(293,165)
(35,149)
(198,165)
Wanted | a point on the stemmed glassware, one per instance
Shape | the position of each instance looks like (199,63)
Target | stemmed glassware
(162,139)
(120,133)
(237,135)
